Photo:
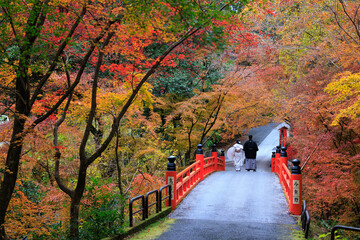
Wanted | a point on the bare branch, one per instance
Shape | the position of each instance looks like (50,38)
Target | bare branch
(130,184)
(135,92)
(57,55)
(351,20)
(77,79)
(340,26)
(62,186)
(93,98)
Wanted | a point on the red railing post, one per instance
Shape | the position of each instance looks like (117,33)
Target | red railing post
(214,155)
(295,188)
(188,175)
(273,162)
(171,179)
(200,161)
(222,157)
(283,160)
(277,160)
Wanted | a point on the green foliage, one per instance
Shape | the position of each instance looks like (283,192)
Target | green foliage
(155,50)
(187,76)
(13,52)
(102,211)
(180,84)
(31,191)
(215,138)
(324,236)
(327,235)
(215,36)
(154,230)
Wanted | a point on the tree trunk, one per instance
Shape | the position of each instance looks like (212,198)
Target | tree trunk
(10,176)
(74,219)
(15,148)
(75,202)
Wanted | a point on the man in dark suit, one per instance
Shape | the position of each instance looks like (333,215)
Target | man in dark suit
(250,149)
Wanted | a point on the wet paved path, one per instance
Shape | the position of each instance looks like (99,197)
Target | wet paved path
(236,205)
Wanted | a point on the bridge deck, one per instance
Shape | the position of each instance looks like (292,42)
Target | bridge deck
(236,205)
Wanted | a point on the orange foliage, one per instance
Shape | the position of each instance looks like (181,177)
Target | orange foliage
(32,220)
(315,42)
(144,183)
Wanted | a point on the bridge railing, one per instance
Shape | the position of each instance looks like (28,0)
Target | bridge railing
(348,228)
(305,224)
(291,182)
(305,220)
(142,209)
(285,181)
(186,180)
(146,204)
(183,182)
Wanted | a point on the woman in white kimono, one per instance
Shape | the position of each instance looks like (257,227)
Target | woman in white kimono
(237,155)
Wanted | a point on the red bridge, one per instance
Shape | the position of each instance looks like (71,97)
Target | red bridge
(210,200)
(226,204)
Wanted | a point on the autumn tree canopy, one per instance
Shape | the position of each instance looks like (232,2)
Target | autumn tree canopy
(75,75)
(313,69)
(100,93)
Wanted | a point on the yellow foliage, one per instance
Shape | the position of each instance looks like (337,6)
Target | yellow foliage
(7,76)
(346,89)
(109,100)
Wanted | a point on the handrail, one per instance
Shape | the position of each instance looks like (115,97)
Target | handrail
(131,213)
(156,203)
(286,181)
(220,161)
(305,219)
(168,196)
(184,181)
(185,184)
(277,166)
(290,181)
(342,227)
(186,169)
(287,171)
(305,223)
(209,164)
(145,203)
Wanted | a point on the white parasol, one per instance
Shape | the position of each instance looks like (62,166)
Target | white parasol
(231,153)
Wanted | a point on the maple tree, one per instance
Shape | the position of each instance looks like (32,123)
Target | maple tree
(41,38)
(102,92)
(229,107)
(312,71)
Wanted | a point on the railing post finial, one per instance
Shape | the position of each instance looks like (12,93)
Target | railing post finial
(171,166)
(273,163)
(296,167)
(278,149)
(283,152)
(214,148)
(199,149)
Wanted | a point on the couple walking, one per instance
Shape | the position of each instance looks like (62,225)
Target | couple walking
(244,154)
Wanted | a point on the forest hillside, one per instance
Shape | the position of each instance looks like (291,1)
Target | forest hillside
(96,95)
